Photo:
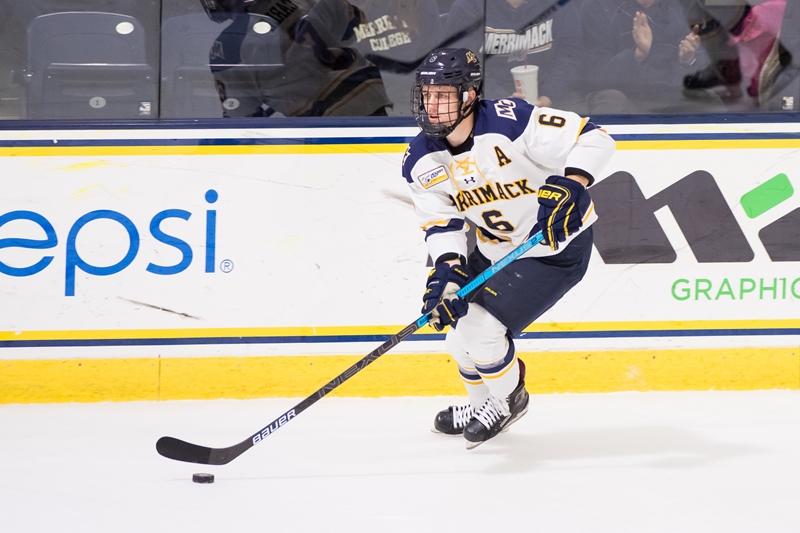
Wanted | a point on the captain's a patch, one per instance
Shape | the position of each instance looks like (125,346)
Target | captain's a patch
(431,178)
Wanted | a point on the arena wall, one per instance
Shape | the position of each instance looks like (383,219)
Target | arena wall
(197,263)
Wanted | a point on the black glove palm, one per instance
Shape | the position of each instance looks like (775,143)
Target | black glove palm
(440,300)
(560,214)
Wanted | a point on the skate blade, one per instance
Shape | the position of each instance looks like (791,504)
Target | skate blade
(436,431)
(472,445)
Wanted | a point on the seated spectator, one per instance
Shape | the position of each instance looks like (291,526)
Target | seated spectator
(544,33)
(397,36)
(320,75)
(779,83)
(638,52)
(715,23)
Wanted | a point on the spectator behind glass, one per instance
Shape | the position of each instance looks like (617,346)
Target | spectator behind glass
(320,74)
(637,53)
(738,38)
(545,33)
(396,36)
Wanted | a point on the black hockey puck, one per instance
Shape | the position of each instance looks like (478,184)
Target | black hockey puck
(203,478)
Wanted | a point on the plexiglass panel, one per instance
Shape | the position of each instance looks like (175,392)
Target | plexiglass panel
(147,59)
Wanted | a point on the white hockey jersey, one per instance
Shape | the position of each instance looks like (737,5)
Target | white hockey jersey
(491,182)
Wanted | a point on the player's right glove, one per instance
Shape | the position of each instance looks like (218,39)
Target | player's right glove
(559,209)
(440,300)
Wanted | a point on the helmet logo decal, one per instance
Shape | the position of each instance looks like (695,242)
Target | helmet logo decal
(471,57)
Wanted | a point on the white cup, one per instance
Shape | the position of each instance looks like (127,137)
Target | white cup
(526,81)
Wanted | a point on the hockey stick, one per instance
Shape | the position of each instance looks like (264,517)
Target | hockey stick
(179,450)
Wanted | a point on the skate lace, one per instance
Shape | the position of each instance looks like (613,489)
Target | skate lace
(491,412)
(461,415)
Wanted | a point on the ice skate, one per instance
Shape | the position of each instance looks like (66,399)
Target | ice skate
(496,415)
(453,420)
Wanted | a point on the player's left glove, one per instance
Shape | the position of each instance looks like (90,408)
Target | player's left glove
(559,209)
(440,298)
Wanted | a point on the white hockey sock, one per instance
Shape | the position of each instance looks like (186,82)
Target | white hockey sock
(503,385)
(480,342)
(477,393)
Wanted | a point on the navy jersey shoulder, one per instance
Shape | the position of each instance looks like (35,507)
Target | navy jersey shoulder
(507,117)
(419,147)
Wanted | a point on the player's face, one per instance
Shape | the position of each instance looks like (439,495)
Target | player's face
(441,103)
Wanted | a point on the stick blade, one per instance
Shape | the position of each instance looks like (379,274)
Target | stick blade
(180,450)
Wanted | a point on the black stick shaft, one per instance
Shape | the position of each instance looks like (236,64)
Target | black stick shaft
(180,450)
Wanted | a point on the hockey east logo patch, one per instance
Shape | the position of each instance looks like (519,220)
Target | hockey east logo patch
(431,178)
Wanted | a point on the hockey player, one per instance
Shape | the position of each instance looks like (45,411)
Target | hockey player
(510,169)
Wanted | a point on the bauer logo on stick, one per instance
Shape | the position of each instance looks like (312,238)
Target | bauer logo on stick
(274,426)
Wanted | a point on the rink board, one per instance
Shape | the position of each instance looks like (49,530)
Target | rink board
(242,263)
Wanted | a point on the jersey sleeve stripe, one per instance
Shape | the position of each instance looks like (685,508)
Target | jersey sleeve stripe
(589,126)
(444,222)
(455,224)
(584,123)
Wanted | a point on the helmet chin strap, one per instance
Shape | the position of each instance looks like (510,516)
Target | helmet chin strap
(466,111)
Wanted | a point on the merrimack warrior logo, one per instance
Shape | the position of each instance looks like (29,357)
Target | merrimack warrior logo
(471,57)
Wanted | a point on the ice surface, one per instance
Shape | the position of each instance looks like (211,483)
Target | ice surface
(625,462)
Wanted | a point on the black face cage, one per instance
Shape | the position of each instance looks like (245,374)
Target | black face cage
(437,129)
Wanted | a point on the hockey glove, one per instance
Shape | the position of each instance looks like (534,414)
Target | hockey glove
(559,209)
(440,300)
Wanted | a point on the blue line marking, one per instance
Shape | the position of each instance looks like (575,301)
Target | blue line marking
(70,143)
(305,339)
